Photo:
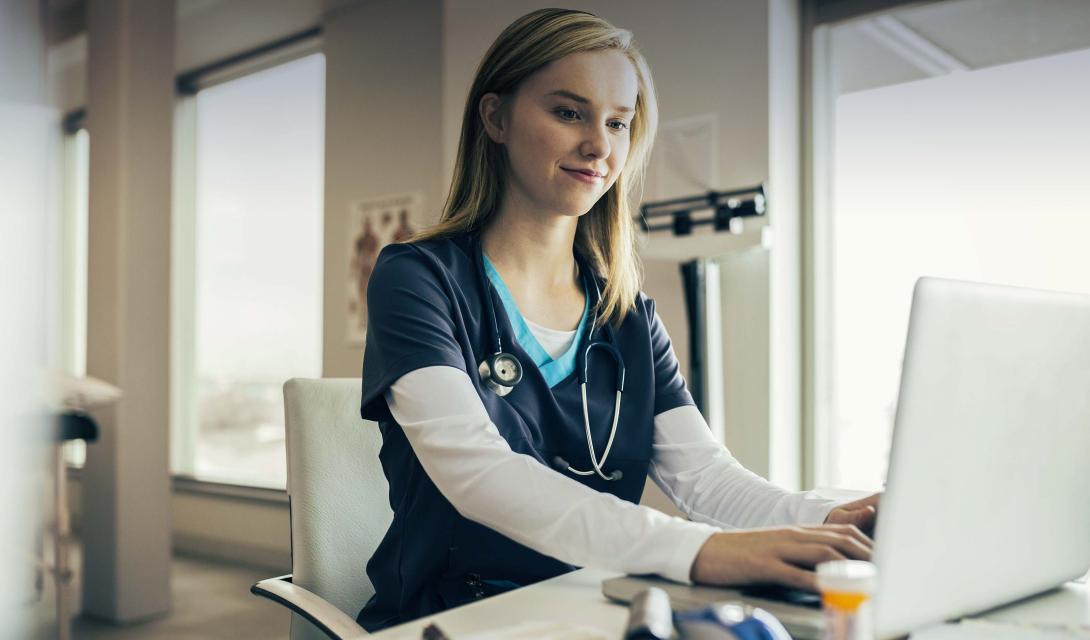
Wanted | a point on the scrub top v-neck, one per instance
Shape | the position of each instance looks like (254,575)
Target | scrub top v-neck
(553,370)
(425,308)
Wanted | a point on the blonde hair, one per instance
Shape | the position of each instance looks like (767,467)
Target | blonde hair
(605,235)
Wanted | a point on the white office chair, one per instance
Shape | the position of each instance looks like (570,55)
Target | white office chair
(339,505)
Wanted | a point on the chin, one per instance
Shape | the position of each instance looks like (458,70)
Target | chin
(579,211)
(573,205)
(571,208)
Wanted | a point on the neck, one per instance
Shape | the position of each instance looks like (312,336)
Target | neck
(534,248)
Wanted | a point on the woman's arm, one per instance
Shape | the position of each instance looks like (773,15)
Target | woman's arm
(472,465)
(709,485)
(475,469)
(696,471)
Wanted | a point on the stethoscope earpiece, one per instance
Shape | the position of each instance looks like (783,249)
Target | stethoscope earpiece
(501,371)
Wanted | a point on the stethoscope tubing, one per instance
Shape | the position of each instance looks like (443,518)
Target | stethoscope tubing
(583,366)
(590,439)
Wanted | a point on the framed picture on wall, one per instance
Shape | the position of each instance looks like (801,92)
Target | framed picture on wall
(372,224)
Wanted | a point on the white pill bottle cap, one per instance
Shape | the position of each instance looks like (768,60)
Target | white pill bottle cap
(847,576)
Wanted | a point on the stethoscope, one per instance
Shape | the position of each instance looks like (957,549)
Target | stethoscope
(501,371)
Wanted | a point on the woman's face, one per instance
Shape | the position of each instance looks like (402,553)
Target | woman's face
(566,131)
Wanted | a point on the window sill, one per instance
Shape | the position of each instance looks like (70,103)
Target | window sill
(195,486)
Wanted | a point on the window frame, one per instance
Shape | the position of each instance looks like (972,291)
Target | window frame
(72,355)
(818,109)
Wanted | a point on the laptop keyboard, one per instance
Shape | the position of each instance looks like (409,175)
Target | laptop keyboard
(784,594)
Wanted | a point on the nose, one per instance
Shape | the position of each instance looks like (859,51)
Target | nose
(596,144)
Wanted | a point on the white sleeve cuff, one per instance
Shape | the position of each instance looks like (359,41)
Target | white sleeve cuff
(685,549)
(811,508)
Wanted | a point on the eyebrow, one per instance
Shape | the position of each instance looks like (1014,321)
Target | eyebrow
(580,99)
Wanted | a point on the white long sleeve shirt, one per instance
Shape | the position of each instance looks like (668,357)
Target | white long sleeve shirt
(472,465)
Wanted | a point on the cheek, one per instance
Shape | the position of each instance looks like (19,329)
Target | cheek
(617,159)
(536,147)
(548,143)
(620,153)
(533,127)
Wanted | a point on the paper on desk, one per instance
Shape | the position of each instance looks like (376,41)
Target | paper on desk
(539,630)
(984,630)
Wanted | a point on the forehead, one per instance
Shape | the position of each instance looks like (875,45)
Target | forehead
(607,78)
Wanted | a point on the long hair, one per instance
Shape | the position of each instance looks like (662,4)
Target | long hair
(605,235)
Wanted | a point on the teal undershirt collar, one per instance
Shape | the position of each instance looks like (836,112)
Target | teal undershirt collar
(552,370)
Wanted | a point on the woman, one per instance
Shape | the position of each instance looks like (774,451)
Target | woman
(510,454)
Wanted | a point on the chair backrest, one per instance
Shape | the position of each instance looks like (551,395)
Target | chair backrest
(339,496)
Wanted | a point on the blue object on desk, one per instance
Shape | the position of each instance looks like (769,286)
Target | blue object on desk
(729,621)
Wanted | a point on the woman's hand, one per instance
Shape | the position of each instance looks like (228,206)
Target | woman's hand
(783,556)
(862,513)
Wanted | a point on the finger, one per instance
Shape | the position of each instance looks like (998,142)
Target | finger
(792,576)
(848,530)
(863,518)
(850,545)
(809,555)
(853,532)
(868,517)
(843,515)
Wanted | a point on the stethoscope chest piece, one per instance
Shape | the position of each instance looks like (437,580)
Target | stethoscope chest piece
(500,372)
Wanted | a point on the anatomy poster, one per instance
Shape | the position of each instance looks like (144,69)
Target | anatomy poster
(373,224)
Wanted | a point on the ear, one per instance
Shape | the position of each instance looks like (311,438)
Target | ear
(493,113)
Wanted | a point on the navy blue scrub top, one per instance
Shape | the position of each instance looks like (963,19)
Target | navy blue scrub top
(424,309)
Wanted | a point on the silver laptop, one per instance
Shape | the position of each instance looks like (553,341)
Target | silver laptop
(987,492)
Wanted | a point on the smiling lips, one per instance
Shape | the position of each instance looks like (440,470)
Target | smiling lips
(584,175)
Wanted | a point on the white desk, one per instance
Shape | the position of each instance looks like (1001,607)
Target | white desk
(577,597)
(573,597)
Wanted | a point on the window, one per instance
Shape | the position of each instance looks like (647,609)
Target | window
(73,260)
(961,156)
(248,283)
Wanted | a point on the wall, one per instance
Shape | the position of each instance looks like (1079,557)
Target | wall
(28,128)
(382,133)
(232,529)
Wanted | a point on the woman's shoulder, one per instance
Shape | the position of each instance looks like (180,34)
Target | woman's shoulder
(440,256)
(432,271)
(645,305)
(638,315)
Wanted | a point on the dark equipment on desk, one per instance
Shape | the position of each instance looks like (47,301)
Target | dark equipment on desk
(650,616)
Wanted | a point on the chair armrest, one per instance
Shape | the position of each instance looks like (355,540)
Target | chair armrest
(332,621)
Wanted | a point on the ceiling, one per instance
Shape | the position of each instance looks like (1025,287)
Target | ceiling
(933,39)
(919,41)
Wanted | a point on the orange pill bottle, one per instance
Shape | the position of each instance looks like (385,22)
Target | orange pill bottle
(846,588)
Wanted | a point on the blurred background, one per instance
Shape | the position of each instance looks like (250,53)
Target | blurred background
(194,191)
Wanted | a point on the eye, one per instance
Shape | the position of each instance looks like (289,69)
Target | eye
(567,114)
(623,127)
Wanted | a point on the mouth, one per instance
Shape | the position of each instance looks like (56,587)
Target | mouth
(584,175)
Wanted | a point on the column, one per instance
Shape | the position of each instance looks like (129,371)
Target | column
(126,482)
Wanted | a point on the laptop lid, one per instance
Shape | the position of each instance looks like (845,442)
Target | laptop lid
(986,498)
